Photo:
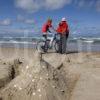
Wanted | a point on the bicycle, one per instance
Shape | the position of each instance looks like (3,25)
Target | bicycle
(47,44)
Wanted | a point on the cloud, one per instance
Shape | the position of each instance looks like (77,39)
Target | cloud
(94,4)
(29,21)
(98,5)
(22,19)
(35,5)
(5,22)
(29,5)
(20,31)
(55,4)
(83,3)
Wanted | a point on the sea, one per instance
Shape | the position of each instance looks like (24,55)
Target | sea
(75,42)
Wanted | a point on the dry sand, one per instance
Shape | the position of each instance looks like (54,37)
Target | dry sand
(27,75)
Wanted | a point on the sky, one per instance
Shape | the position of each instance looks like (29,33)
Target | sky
(19,15)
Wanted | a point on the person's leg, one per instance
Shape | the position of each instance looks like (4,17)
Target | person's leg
(60,44)
(45,39)
(67,35)
(64,44)
(45,36)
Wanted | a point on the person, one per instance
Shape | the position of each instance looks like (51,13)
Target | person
(63,31)
(46,28)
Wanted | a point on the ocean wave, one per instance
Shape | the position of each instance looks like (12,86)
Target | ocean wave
(89,41)
(86,40)
(23,40)
(16,42)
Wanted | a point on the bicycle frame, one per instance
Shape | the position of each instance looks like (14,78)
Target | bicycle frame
(53,38)
(48,43)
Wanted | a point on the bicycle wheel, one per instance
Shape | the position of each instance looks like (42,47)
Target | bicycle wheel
(40,46)
(56,45)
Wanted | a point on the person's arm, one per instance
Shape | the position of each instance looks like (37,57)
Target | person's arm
(49,30)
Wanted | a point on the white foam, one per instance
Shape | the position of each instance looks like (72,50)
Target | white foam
(89,41)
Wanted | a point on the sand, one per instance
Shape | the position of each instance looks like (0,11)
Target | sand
(25,74)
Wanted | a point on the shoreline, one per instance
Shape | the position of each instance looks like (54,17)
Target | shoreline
(80,47)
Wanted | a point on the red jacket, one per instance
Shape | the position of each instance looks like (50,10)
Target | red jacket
(63,28)
(46,27)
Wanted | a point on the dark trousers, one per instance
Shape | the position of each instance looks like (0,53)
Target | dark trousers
(46,42)
(63,43)
(45,36)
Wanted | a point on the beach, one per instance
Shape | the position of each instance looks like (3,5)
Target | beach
(26,74)
(50,50)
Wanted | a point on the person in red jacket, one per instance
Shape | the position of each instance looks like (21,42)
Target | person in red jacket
(63,31)
(46,28)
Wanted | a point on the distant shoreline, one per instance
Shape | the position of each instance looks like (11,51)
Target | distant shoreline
(79,46)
